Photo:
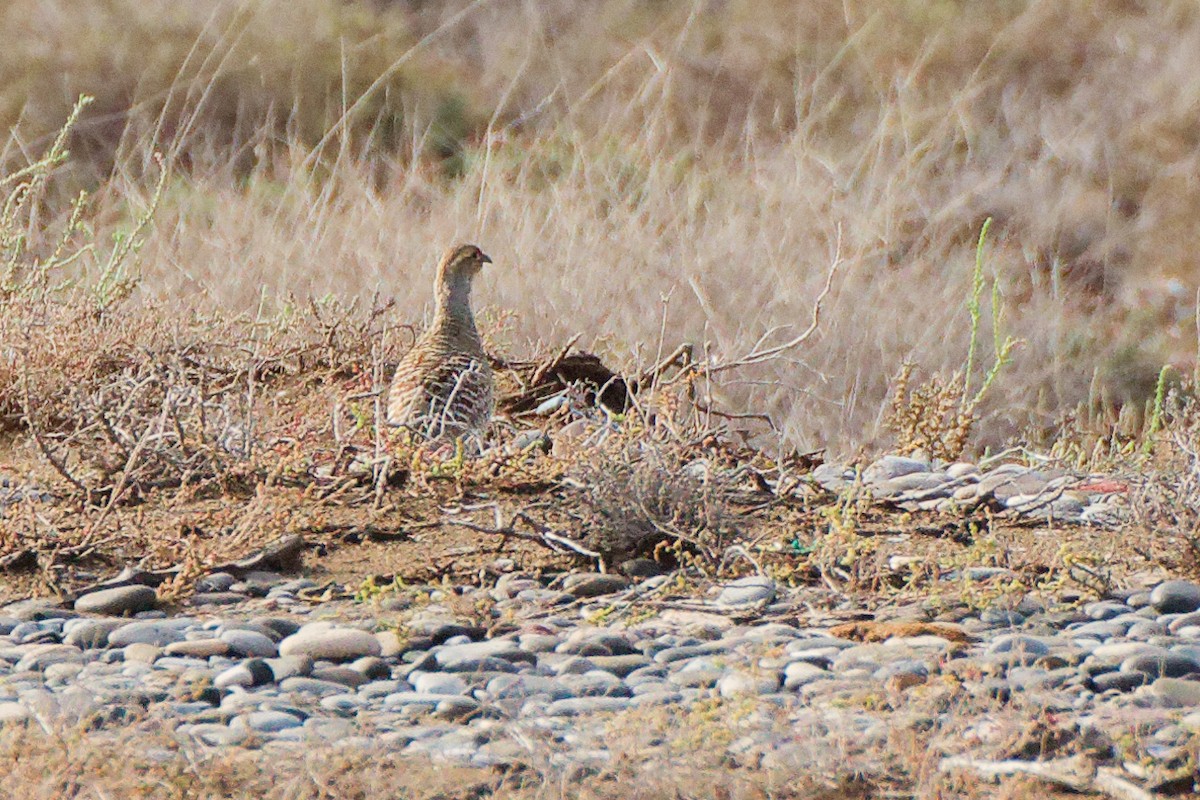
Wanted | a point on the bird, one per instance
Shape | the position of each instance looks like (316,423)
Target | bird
(443,389)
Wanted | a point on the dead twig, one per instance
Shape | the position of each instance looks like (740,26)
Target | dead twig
(758,356)
(1078,774)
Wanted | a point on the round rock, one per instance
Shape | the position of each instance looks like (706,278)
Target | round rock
(118,601)
(321,641)
(1176,597)
(747,591)
(593,584)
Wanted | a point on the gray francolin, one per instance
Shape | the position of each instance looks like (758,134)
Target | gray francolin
(443,388)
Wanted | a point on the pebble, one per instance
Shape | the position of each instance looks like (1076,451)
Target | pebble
(461,691)
(747,591)
(593,584)
(737,683)
(1176,597)
(891,467)
(118,601)
(320,640)
(155,632)
(1175,692)
(267,721)
(247,643)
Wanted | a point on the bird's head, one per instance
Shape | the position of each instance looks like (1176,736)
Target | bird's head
(462,261)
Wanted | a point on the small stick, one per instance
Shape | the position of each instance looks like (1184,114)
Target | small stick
(756,356)
(1076,774)
(547,366)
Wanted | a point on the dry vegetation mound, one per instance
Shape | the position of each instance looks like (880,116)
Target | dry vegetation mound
(709,152)
(214,318)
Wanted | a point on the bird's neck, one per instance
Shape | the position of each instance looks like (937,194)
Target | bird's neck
(452,315)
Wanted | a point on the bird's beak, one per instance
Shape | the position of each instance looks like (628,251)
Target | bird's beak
(485,258)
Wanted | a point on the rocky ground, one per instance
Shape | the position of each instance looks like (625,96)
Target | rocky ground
(254,665)
(574,670)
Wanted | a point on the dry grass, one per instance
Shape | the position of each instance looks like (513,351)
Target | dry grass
(656,753)
(706,152)
(192,353)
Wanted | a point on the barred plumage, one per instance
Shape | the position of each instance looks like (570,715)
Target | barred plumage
(443,386)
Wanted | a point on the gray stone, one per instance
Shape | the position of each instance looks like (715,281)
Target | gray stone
(1120,681)
(216,582)
(214,734)
(1146,629)
(118,601)
(573,665)
(339,674)
(481,665)
(538,642)
(801,673)
(832,477)
(1100,630)
(657,698)
(922,482)
(603,643)
(523,686)
(1105,609)
(1184,621)
(620,665)
(160,632)
(324,641)
(455,707)
(505,649)
(686,652)
(199,648)
(575,706)
(740,682)
(902,668)
(1030,679)
(1017,643)
(37,608)
(372,667)
(890,467)
(290,667)
(13,712)
(312,686)
(437,683)
(593,584)
(281,627)
(90,633)
(251,672)
(1002,617)
(142,653)
(248,643)
(1160,664)
(962,470)
(747,591)
(1176,597)
(215,598)
(39,656)
(697,678)
(1175,692)
(986,573)
(1008,480)
(595,684)
(266,721)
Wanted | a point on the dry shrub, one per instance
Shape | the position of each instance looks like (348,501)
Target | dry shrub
(636,498)
(706,151)
(1166,499)
(933,418)
(122,395)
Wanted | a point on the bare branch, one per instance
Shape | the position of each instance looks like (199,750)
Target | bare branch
(757,356)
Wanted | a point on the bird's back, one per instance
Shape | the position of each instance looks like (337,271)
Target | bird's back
(443,387)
